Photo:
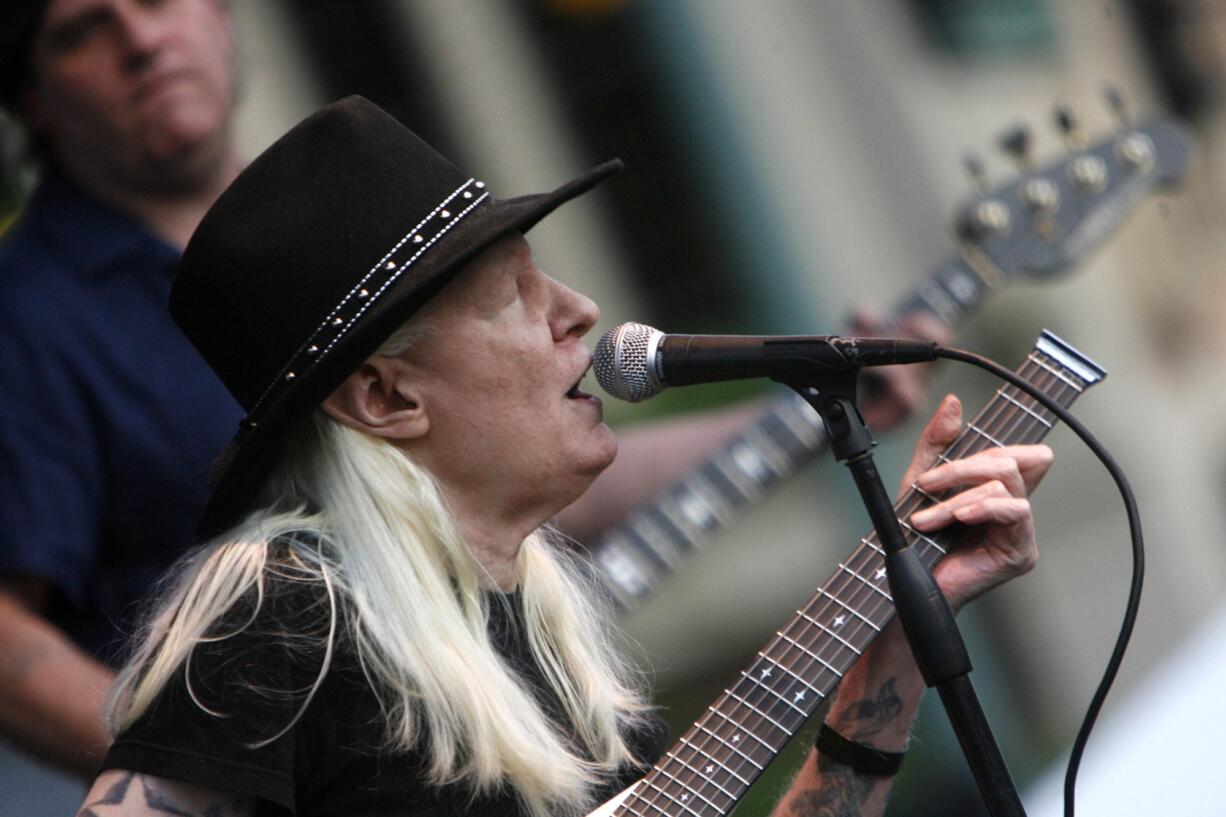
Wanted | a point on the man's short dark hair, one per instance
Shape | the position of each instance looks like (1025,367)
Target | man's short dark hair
(19,22)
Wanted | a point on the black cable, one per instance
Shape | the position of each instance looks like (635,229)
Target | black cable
(1138,553)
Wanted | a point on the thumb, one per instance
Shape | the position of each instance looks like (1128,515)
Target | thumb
(941,430)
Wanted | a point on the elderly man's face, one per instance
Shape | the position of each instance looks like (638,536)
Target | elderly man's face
(139,91)
(499,373)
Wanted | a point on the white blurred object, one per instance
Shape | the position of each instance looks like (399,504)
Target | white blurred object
(1159,751)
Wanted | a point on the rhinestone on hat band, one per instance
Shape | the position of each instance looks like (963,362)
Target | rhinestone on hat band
(367,291)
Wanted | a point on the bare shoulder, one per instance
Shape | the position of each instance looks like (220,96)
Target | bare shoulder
(122,793)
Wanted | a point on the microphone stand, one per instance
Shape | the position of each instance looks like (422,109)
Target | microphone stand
(936,643)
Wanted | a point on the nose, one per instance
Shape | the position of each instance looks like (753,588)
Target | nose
(574,313)
(140,29)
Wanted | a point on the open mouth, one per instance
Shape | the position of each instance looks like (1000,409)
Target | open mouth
(576,393)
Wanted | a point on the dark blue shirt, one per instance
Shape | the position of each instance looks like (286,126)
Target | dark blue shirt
(109,419)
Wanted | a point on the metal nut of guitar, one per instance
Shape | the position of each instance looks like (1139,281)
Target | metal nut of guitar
(988,217)
(1041,196)
(1135,151)
(1089,173)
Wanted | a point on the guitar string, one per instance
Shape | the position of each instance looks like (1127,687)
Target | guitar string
(982,432)
(975,437)
(799,657)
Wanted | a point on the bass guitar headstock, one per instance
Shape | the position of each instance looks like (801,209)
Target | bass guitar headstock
(1048,218)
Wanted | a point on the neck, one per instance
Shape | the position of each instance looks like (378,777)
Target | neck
(495,539)
(171,202)
(174,215)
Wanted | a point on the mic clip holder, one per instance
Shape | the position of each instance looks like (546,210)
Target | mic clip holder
(925,615)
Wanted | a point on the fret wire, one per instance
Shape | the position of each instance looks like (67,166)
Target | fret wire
(864,540)
(1024,408)
(778,429)
(709,494)
(673,800)
(795,416)
(730,470)
(776,664)
(725,743)
(805,665)
(646,531)
(1055,371)
(812,655)
(748,676)
(760,440)
(759,713)
(715,762)
(694,787)
(830,632)
(737,725)
(849,609)
(985,435)
(865,581)
(702,744)
(636,797)
(639,796)
(923,537)
(729,493)
(690,532)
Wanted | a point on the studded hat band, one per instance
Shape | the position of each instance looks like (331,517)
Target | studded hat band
(366,292)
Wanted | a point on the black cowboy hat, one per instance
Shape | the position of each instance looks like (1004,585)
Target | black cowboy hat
(19,21)
(316,253)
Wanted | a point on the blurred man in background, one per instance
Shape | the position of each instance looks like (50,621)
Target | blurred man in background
(111,419)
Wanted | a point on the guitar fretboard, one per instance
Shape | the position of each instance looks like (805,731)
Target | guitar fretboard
(710,768)
(635,555)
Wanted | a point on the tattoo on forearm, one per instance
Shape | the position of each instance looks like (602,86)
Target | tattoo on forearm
(843,792)
(868,716)
(160,801)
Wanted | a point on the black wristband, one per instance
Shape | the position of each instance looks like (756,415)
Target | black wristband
(856,756)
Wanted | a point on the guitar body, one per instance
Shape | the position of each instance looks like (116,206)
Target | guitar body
(609,807)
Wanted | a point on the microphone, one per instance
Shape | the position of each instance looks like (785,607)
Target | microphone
(634,362)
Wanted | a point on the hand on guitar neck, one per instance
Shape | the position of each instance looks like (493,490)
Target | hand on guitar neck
(877,700)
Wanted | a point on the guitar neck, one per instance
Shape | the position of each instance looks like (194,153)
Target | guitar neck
(710,768)
(637,553)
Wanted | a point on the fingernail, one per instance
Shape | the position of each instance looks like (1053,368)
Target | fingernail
(923,517)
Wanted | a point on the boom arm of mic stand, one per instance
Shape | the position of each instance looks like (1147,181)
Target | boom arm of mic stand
(934,638)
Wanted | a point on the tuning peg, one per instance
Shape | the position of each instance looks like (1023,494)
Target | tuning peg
(1115,103)
(973,163)
(1017,143)
(1069,127)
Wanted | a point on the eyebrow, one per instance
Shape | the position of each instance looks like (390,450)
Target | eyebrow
(62,33)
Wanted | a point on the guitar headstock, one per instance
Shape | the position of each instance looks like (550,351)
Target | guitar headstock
(1043,221)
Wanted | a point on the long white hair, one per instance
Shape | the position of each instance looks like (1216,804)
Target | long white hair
(371,526)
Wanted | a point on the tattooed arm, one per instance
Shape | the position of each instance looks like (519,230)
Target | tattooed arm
(876,705)
(121,793)
(878,699)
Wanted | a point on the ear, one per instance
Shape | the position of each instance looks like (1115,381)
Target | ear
(380,399)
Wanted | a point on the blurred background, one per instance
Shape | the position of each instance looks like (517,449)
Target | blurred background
(789,160)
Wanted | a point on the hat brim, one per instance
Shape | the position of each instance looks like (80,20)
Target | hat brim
(246,460)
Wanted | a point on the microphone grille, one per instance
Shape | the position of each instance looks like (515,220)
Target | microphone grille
(620,361)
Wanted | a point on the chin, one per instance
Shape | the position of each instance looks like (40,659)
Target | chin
(604,450)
